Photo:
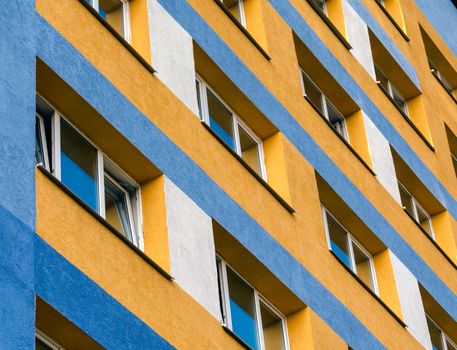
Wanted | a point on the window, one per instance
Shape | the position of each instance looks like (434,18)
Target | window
(230,128)
(321,5)
(116,13)
(315,96)
(350,252)
(248,314)
(87,172)
(43,342)
(236,8)
(391,91)
(438,75)
(419,214)
(440,341)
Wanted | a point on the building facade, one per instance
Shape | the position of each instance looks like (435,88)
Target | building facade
(228,174)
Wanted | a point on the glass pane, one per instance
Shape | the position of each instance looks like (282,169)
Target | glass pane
(39,345)
(338,240)
(116,210)
(220,119)
(234,7)
(424,220)
(46,112)
(249,150)
(112,12)
(336,119)
(435,335)
(406,200)
(363,265)
(79,165)
(313,94)
(272,329)
(199,101)
(242,308)
(450,346)
(39,152)
(399,99)
(381,78)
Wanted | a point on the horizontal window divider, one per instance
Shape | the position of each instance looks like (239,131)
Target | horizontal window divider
(444,87)
(357,278)
(265,184)
(407,118)
(119,37)
(447,257)
(394,22)
(236,337)
(356,154)
(329,23)
(105,223)
(242,28)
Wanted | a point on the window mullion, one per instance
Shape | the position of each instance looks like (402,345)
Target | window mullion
(258,316)
(351,252)
(101,184)
(236,134)
(226,296)
(126,21)
(56,153)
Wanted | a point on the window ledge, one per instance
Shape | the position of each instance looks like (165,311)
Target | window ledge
(252,171)
(407,118)
(430,238)
(348,145)
(394,22)
(444,87)
(119,37)
(329,23)
(357,278)
(105,223)
(236,337)
(242,28)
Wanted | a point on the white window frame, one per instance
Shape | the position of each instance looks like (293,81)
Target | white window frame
(236,122)
(240,11)
(47,340)
(103,161)
(324,10)
(43,140)
(227,318)
(324,101)
(444,337)
(351,241)
(416,206)
(126,24)
(390,90)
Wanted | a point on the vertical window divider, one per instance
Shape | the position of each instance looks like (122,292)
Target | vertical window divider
(259,320)
(43,141)
(101,184)
(351,241)
(225,294)
(56,157)
(236,133)
(126,20)
(241,11)
(96,5)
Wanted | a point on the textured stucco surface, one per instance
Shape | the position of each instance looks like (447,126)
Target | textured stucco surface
(191,246)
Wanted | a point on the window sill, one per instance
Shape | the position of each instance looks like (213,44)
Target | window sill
(330,25)
(119,37)
(348,145)
(236,337)
(407,118)
(252,171)
(394,22)
(105,223)
(357,278)
(243,29)
(444,87)
(430,238)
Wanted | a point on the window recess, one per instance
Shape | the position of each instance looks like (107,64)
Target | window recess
(87,172)
(247,314)
(440,340)
(349,251)
(229,128)
(236,8)
(390,89)
(116,13)
(43,342)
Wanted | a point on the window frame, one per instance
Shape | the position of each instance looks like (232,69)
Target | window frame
(351,240)
(47,340)
(43,140)
(324,100)
(222,265)
(391,88)
(241,12)
(236,122)
(103,162)
(416,205)
(437,74)
(444,337)
(127,26)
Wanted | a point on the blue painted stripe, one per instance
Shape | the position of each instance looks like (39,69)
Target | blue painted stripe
(377,30)
(234,68)
(88,306)
(78,73)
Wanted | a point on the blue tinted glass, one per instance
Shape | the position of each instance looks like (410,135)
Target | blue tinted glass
(242,308)
(78,165)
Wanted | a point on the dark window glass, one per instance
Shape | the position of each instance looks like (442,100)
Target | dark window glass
(112,12)
(338,240)
(313,94)
(272,329)
(336,119)
(435,335)
(406,200)
(220,119)
(39,345)
(116,209)
(234,7)
(363,265)
(249,150)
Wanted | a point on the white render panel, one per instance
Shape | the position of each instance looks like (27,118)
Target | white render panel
(358,38)
(172,54)
(411,302)
(381,158)
(192,251)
